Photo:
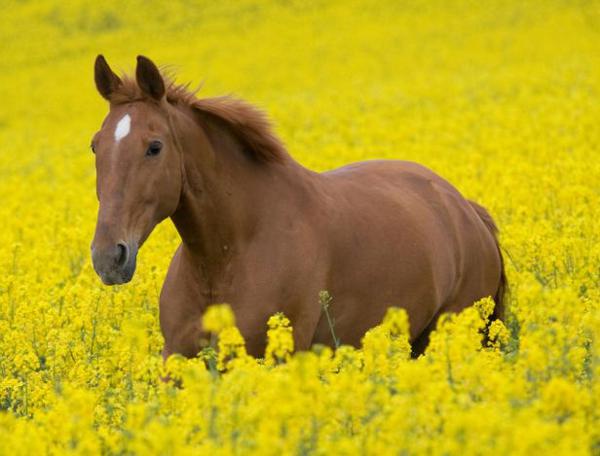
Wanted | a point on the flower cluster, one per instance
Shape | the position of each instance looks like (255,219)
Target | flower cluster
(280,341)
(500,97)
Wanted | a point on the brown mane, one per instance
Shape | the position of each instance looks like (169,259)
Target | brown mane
(248,123)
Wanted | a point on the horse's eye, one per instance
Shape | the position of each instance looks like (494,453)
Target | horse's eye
(154,148)
(93,148)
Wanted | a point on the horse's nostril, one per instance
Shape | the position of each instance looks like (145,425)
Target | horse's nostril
(123,253)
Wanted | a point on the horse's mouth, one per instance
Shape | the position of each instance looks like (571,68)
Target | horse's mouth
(117,277)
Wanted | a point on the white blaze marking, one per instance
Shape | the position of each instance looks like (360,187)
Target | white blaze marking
(123,127)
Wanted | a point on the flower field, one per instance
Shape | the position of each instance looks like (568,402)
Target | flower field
(500,97)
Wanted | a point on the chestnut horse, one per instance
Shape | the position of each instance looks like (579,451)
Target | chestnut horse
(264,234)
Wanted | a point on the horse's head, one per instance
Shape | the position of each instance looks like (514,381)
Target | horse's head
(138,169)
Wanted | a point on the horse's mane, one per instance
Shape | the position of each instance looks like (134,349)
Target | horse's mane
(248,123)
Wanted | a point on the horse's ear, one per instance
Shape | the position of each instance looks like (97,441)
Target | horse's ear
(149,79)
(106,80)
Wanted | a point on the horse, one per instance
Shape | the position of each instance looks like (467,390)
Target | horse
(264,234)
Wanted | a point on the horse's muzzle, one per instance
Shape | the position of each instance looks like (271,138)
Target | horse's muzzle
(115,264)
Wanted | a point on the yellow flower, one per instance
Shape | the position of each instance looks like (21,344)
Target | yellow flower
(217,318)
(514,127)
(560,399)
(280,342)
(231,348)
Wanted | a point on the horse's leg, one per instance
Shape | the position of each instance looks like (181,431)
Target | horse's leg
(303,336)
(419,345)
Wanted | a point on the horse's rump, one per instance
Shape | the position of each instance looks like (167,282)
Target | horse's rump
(488,221)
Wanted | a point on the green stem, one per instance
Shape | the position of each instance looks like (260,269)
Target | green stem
(325,300)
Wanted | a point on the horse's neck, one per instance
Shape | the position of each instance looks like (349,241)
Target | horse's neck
(227,195)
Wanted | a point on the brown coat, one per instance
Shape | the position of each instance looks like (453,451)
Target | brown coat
(264,234)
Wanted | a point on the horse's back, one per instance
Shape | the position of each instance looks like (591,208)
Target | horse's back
(400,235)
